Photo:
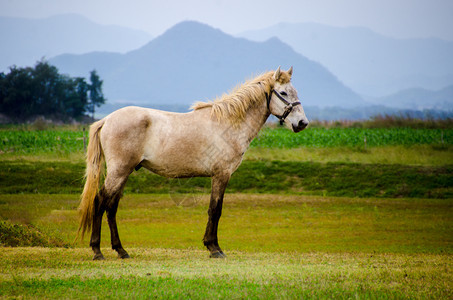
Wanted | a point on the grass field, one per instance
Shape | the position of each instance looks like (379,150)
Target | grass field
(277,246)
(253,176)
(285,231)
(189,274)
(70,140)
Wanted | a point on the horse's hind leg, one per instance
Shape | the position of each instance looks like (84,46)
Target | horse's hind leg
(115,182)
(107,201)
(95,241)
(111,218)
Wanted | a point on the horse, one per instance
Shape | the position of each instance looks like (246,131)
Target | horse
(208,141)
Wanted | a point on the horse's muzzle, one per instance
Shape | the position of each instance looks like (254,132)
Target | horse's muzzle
(300,126)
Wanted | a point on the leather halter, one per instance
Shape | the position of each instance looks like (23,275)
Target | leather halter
(288,108)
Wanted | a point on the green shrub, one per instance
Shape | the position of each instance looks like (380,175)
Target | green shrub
(18,235)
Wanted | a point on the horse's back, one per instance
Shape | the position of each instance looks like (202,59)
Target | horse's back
(164,142)
(169,144)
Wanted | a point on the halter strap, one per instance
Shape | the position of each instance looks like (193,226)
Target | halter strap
(288,108)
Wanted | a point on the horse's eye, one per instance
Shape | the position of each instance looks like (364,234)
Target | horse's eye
(283,93)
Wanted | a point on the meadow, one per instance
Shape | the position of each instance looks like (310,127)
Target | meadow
(319,214)
(70,140)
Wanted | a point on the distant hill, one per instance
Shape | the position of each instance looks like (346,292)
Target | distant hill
(192,61)
(418,98)
(369,63)
(24,41)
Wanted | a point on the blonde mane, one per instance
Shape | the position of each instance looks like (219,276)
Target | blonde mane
(233,106)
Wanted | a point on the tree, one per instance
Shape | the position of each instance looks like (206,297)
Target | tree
(49,89)
(95,89)
(28,92)
(17,93)
(76,99)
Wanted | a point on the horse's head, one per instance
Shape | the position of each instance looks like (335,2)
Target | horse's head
(284,103)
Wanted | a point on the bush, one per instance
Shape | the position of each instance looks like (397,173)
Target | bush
(16,235)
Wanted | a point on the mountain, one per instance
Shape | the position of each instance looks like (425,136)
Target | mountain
(192,61)
(25,41)
(369,63)
(418,98)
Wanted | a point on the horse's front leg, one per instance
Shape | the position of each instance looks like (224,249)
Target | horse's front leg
(210,240)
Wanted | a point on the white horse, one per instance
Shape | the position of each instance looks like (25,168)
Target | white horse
(209,141)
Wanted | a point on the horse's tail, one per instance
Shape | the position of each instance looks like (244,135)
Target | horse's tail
(94,168)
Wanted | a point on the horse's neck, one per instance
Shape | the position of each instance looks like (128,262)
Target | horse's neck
(254,120)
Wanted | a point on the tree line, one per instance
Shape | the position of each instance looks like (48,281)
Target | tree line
(43,91)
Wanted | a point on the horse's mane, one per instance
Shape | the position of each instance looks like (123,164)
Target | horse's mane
(233,106)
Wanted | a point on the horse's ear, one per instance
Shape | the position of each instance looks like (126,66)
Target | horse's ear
(290,71)
(277,74)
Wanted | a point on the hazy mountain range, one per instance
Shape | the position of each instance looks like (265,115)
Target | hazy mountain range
(419,99)
(370,63)
(24,41)
(333,67)
(192,61)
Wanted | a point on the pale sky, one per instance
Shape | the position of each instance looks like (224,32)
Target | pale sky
(396,18)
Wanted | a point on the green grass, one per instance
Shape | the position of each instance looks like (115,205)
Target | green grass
(255,222)
(41,141)
(351,137)
(253,176)
(183,274)
(277,247)
(64,141)
(419,155)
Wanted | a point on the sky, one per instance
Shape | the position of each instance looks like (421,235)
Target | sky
(395,18)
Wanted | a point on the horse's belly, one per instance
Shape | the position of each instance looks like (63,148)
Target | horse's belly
(175,170)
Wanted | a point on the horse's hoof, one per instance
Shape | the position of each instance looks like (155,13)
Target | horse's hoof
(122,254)
(98,256)
(217,254)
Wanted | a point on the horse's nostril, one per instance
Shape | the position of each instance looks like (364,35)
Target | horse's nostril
(302,124)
